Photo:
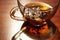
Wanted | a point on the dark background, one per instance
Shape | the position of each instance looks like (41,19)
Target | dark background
(7,24)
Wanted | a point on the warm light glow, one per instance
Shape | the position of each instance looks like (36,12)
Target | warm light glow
(45,6)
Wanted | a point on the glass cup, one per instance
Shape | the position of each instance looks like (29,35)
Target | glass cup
(35,12)
(37,15)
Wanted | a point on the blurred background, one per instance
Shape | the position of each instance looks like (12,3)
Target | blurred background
(8,26)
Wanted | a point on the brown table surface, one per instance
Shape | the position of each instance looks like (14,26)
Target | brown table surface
(7,24)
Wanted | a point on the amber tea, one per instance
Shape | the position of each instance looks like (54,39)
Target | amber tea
(37,12)
(36,17)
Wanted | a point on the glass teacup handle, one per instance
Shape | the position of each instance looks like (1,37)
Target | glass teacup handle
(12,14)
